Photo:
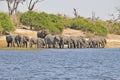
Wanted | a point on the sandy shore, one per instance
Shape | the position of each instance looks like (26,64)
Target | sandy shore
(113,41)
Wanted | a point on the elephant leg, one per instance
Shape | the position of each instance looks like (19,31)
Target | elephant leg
(26,45)
(68,45)
(13,45)
(8,44)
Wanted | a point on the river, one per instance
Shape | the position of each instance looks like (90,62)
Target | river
(60,64)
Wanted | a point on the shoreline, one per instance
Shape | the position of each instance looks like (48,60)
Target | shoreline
(113,41)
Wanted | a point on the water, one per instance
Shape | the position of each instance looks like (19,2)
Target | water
(60,64)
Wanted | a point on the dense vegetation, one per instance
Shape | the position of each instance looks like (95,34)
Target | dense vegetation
(87,26)
(5,23)
(56,23)
(42,20)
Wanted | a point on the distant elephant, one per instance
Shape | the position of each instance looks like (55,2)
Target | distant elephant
(21,40)
(10,39)
(75,43)
(57,41)
(102,42)
(65,40)
(49,40)
(97,42)
(41,34)
(25,40)
(39,42)
(84,42)
(93,43)
(18,40)
(78,42)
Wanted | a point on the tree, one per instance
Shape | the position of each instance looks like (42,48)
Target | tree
(32,4)
(13,5)
(6,23)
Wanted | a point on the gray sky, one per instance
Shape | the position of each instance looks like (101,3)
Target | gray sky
(102,8)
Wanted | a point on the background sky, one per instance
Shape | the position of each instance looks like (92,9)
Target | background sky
(102,8)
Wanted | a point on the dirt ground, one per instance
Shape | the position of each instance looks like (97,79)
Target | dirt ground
(113,41)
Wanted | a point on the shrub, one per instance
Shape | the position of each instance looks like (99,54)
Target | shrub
(6,23)
(88,26)
(42,20)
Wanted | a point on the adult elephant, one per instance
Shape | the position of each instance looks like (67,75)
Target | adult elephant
(94,43)
(78,42)
(18,39)
(49,40)
(102,42)
(75,42)
(39,42)
(24,41)
(41,34)
(10,39)
(57,41)
(65,40)
(97,42)
(21,41)
(83,43)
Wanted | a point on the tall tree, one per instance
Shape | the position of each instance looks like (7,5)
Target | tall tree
(32,4)
(12,5)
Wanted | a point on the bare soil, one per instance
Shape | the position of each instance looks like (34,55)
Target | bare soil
(113,41)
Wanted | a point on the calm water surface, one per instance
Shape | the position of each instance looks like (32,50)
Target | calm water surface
(60,64)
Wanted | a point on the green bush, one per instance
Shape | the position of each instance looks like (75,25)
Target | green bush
(42,20)
(87,26)
(1,29)
(6,23)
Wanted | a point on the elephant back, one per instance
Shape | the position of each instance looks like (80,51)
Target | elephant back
(41,34)
(8,38)
(49,38)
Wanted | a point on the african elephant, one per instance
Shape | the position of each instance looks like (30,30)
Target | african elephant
(75,43)
(18,40)
(57,41)
(83,43)
(65,40)
(93,43)
(10,39)
(97,42)
(39,42)
(102,42)
(41,34)
(78,42)
(24,41)
(21,41)
(49,40)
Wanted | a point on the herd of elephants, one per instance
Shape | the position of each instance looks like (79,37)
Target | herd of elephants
(44,40)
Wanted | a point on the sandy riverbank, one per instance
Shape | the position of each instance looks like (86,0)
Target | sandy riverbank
(113,41)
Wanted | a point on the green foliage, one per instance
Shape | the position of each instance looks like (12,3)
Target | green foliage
(51,22)
(87,26)
(56,23)
(1,29)
(6,23)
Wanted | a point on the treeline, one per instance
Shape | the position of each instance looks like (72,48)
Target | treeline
(55,23)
